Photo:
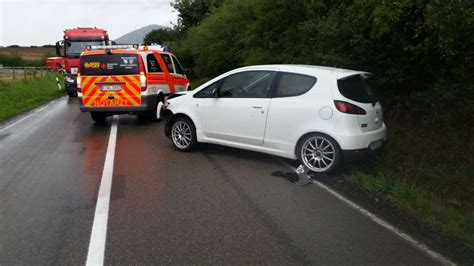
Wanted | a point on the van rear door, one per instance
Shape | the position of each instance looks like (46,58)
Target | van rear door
(356,89)
(110,80)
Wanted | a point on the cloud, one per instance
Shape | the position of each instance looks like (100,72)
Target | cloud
(38,22)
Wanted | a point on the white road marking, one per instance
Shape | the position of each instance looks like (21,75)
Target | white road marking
(95,256)
(433,254)
(34,111)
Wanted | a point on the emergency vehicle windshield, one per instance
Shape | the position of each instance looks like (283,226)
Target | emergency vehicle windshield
(109,64)
(75,48)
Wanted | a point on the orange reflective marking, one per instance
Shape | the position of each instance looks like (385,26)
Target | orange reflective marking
(133,84)
(94,91)
(129,95)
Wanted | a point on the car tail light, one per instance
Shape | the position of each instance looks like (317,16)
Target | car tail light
(78,81)
(349,108)
(142,74)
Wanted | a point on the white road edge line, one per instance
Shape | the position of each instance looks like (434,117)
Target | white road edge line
(431,253)
(95,255)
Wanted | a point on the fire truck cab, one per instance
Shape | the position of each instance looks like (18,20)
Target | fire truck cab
(69,49)
(120,79)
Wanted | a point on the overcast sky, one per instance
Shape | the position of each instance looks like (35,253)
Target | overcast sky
(39,22)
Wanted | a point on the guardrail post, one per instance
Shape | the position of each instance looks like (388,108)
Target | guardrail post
(13,71)
(24,73)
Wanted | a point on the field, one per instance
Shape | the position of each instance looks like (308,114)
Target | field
(28,53)
(22,95)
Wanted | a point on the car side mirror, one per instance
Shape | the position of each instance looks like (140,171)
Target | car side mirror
(58,49)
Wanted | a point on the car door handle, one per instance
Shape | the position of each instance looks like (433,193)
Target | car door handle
(257,106)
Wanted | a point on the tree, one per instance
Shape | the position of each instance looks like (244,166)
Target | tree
(192,12)
(164,36)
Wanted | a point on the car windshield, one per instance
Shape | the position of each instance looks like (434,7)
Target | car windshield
(109,64)
(75,48)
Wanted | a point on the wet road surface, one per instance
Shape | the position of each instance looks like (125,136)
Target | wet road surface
(214,205)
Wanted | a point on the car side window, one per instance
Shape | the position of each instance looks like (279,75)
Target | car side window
(152,64)
(177,66)
(249,84)
(168,62)
(290,84)
(207,92)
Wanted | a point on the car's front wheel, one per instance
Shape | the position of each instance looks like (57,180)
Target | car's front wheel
(319,153)
(183,134)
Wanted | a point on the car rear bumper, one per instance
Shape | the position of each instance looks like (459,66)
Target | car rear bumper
(370,140)
(149,102)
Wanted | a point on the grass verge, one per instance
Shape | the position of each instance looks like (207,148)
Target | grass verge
(23,95)
(429,177)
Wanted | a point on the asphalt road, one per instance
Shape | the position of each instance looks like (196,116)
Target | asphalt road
(214,206)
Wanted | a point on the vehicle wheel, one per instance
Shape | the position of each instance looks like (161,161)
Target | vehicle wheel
(319,153)
(72,94)
(99,118)
(183,134)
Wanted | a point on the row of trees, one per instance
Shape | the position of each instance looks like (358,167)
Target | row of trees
(410,45)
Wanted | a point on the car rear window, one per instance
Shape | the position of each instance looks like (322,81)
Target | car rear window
(109,64)
(294,84)
(355,88)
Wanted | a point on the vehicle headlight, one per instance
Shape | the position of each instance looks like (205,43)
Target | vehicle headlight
(68,79)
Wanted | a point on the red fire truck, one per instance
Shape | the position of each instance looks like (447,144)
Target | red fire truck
(69,49)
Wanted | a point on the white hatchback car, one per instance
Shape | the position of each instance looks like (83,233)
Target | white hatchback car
(315,114)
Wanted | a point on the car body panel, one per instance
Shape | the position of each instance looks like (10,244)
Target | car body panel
(288,118)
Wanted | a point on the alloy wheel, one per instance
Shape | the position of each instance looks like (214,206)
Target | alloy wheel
(318,153)
(181,134)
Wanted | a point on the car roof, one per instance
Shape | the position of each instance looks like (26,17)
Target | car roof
(308,69)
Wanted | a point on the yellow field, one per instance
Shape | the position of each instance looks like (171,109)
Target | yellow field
(29,53)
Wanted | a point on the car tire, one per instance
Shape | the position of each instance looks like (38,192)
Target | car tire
(319,153)
(72,94)
(183,134)
(99,118)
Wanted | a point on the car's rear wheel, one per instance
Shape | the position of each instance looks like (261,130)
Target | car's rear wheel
(183,134)
(319,153)
(99,118)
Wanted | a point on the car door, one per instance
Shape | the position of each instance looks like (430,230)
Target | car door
(172,78)
(236,111)
(155,75)
(179,76)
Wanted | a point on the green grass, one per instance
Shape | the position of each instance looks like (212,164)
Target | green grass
(22,95)
(431,177)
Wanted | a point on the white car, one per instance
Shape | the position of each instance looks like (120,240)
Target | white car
(315,114)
